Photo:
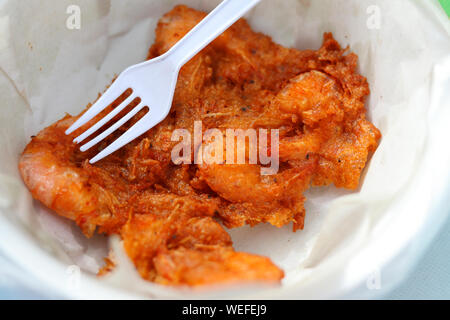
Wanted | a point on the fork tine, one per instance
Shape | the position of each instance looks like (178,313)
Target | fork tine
(110,95)
(105,120)
(113,128)
(142,126)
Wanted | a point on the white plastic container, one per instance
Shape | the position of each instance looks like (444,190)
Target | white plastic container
(355,245)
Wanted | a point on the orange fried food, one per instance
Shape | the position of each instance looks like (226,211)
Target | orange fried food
(166,213)
(250,198)
(244,80)
(175,250)
(56,179)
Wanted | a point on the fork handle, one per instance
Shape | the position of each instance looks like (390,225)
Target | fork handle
(219,20)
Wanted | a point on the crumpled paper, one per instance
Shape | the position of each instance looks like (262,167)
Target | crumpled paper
(47,69)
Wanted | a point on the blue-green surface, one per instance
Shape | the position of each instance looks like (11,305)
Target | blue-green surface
(446,5)
(431,277)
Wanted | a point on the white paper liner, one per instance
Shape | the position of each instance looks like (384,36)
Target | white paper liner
(47,70)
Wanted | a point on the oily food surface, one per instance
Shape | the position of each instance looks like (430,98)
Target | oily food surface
(166,213)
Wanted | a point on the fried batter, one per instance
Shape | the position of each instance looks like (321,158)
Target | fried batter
(165,213)
(176,250)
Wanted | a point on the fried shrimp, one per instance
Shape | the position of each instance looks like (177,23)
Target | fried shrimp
(58,183)
(250,198)
(169,215)
(175,250)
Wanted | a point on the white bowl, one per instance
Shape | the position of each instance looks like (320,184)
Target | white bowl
(354,244)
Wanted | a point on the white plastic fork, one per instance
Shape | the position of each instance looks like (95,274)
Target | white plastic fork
(154,81)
